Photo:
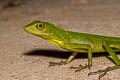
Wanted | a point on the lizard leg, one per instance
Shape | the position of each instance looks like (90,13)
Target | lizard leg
(76,48)
(89,57)
(81,67)
(71,57)
(108,45)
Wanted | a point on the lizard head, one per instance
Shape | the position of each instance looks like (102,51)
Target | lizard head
(45,30)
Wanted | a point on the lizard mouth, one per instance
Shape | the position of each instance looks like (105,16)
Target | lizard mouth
(27,30)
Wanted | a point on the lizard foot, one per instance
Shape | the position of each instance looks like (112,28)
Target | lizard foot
(79,68)
(104,71)
(57,63)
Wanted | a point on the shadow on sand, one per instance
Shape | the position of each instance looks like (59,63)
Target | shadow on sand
(61,54)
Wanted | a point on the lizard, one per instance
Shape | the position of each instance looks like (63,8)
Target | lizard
(77,42)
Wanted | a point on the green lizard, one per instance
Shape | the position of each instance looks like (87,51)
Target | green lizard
(77,42)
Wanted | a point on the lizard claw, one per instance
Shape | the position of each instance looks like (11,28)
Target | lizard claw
(104,71)
(57,63)
(101,72)
(79,68)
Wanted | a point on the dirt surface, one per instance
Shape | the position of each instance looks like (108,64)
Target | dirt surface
(26,57)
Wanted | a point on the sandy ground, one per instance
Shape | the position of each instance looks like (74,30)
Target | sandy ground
(26,57)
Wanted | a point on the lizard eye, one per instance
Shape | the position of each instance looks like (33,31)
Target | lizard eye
(40,26)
